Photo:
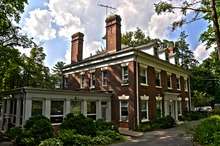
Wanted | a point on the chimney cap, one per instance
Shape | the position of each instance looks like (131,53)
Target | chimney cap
(112,18)
(78,34)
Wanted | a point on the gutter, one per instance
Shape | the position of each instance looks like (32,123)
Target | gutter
(137,89)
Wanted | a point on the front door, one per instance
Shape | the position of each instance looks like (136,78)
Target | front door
(171,109)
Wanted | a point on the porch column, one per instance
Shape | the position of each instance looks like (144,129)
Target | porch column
(176,110)
(84,108)
(47,108)
(67,106)
(2,113)
(98,110)
(166,108)
(7,115)
(18,113)
(108,112)
(28,109)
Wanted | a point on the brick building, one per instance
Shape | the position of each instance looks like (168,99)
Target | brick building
(145,82)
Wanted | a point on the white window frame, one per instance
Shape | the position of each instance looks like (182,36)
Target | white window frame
(91,114)
(106,78)
(170,79)
(53,116)
(187,103)
(146,77)
(92,78)
(178,78)
(42,107)
(145,99)
(120,107)
(158,71)
(82,81)
(125,80)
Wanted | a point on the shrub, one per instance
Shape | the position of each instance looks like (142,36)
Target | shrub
(167,122)
(115,136)
(51,142)
(39,128)
(191,116)
(13,133)
(82,125)
(205,131)
(101,140)
(103,125)
(217,139)
(143,127)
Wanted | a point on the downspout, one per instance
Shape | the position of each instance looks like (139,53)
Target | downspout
(137,89)
(190,99)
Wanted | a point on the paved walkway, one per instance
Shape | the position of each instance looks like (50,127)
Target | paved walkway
(167,137)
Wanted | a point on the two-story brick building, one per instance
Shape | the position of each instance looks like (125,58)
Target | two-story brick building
(145,83)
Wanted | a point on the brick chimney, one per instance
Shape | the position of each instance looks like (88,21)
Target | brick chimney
(113,33)
(77,47)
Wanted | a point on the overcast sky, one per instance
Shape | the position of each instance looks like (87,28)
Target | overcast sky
(52,22)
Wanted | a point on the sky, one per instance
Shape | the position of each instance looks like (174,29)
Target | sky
(52,22)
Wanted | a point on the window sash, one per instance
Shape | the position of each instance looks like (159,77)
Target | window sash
(186,85)
(104,78)
(82,81)
(169,81)
(143,76)
(158,79)
(75,107)
(178,83)
(125,74)
(37,107)
(92,80)
(124,110)
(144,110)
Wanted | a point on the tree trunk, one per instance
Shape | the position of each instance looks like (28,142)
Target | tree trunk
(216,25)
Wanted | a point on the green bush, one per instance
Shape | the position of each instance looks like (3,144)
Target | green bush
(115,136)
(51,142)
(192,116)
(103,125)
(13,133)
(82,125)
(217,138)
(166,122)
(216,111)
(205,131)
(143,127)
(101,140)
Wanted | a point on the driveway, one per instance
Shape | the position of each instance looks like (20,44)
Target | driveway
(167,137)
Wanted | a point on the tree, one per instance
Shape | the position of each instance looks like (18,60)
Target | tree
(202,9)
(136,38)
(201,99)
(58,75)
(183,52)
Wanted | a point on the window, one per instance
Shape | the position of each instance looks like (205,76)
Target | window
(178,83)
(169,81)
(143,76)
(82,81)
(65,82)
(104,110)
(124,74)
(92,80)
(144,110)
(36,107)
(75,107)
(104,78)
(124,110)
(158,79)
(186,85)
(91,110)
(56,112)
(159,111)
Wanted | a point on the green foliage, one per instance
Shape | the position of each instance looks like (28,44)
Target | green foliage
(163,7)
(206,130)
(192,116)
(135,38)
(51,142)
(144,127)
(216,139)
(70,139)
(164,123)
(102,125)
(36,129)
(201,98)
(101,140)
(13,133)
(82,125)
(115,136)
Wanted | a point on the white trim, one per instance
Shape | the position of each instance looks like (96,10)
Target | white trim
(82,73)
(123,97)
(159,98)
(144,97)
(186,99)
(92,71)
(120,110)
(145,110)
(179,99)
(124,64)
(104,68)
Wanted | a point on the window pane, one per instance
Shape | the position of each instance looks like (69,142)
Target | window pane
(36,107)
(91,107)
(56,119)
(144,110)
(57,107)
(75,107)
(124,110)
(157,78)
